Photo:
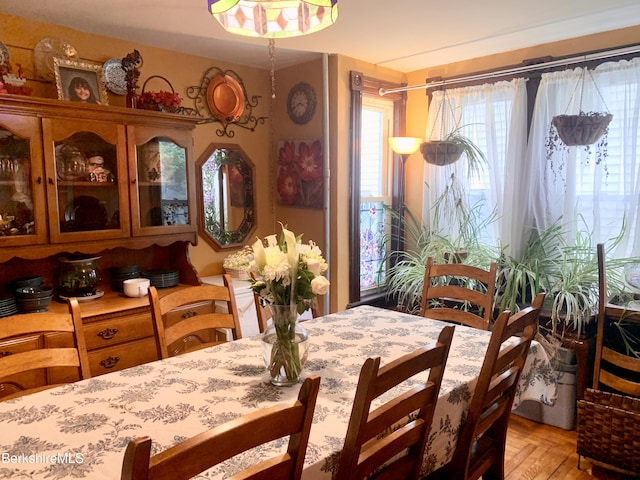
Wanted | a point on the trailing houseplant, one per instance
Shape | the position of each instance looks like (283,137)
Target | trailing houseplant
(567,272)
(583,129)
(405,277)
(449,149)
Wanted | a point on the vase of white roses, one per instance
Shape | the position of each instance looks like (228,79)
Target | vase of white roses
(289,276)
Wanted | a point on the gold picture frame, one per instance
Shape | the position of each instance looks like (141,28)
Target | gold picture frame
(80,81)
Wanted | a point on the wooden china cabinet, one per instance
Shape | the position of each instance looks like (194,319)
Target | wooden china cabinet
(111,182)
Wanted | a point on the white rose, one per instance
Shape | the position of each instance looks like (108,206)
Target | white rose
(320,285)
(313,266)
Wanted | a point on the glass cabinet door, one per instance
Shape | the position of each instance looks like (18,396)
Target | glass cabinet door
(86,180)
(22,205)
(162,189)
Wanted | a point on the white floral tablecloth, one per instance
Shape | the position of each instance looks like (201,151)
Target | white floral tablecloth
(81,430)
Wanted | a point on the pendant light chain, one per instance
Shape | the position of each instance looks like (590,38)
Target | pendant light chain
(272,143)
(272,61)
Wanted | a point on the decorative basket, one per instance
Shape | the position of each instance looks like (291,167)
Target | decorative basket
(162,101)
(583,129)
(440,152)
(609,429)
(237,273)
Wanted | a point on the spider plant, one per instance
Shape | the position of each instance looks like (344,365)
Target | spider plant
(405,275)
(518,281)
(572,290)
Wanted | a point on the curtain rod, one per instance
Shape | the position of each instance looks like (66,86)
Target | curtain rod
(524,68)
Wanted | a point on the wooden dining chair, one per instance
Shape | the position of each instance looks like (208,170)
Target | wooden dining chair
(459,293)
(480,450)
(263,312)
(380,443)
(188,319)
(613,370)
(17,368)
(608,418)
(207,449)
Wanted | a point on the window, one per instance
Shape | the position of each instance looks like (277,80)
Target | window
(589,192)
(374,183)
(600,198)
(375,190)
(493,117)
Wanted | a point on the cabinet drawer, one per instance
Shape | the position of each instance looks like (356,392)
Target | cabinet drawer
(21,381)
(38,377)
(122,356)
(187,311)
(115,331)
(21,344)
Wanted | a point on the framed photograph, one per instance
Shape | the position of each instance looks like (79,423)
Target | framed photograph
(80,81)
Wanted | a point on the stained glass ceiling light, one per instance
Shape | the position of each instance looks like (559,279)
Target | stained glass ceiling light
(274,18)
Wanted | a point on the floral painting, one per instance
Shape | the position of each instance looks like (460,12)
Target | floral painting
(300,170)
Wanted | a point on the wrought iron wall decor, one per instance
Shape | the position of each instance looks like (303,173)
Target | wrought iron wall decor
(241,117)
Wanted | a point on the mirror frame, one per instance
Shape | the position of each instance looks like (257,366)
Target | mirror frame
(248,225)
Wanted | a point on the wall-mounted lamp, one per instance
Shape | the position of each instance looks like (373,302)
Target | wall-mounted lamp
(403,146)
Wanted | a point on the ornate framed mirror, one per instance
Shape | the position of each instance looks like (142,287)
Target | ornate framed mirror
(225,186)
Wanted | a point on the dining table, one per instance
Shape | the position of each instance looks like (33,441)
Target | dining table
(81,429)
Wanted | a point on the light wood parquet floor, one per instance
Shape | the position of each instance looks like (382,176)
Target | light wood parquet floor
(538,452)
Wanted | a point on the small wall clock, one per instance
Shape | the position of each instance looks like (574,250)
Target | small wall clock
(301,103)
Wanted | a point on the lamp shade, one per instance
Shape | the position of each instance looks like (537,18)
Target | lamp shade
(405,145)
(274,18)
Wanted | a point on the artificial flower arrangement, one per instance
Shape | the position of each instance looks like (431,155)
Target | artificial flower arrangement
(11,82)
(160,101)
(289,276)
(237,264)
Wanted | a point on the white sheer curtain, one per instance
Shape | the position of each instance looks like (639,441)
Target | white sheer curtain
(494,116)
(573,186)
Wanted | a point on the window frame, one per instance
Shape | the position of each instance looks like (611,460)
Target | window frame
(368,86)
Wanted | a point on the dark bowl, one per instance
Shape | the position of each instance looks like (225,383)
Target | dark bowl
(124,270)
(31,305)
(40,291)
(34,281)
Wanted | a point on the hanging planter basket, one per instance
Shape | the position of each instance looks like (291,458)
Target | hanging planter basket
(449,147)
(582,129)
(441,152)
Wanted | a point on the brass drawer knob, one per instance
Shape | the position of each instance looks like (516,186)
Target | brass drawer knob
(108,333)
(189,314)
(110,362)
(5,354)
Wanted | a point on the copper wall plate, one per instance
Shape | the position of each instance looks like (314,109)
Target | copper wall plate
(225,98)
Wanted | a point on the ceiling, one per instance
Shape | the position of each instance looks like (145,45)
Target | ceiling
(404,35)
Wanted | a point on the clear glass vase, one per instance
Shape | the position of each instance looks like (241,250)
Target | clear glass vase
(285,346)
